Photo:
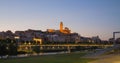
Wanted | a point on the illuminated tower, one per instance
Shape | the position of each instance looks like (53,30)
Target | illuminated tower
(61,26)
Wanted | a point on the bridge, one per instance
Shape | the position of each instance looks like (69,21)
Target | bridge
(68,47)
(45,45)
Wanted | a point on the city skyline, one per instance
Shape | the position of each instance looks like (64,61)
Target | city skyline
(86,17)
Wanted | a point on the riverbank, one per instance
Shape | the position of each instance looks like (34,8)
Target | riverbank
(56,58)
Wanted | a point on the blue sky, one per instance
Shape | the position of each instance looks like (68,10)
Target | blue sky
(86,17)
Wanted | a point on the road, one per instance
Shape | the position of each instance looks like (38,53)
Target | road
(113,58)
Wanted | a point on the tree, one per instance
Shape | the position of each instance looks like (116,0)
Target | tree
(36,49)
(12,49)
(3,49)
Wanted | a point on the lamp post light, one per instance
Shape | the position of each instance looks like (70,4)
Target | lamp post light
(114,37)
(17,38)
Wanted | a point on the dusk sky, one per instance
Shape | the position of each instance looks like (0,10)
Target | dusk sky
(86,17)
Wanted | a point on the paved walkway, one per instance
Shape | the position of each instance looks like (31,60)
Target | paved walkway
(114,58)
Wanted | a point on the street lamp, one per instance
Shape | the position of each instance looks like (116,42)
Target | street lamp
(17,38)
(114,37)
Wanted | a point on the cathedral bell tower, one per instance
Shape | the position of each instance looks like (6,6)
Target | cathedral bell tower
(61,26)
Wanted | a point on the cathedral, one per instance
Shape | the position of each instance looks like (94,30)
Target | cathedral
(64,30)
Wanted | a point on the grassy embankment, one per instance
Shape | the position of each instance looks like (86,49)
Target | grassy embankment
(60,58)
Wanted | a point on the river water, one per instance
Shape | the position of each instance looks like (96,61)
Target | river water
(28,55)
